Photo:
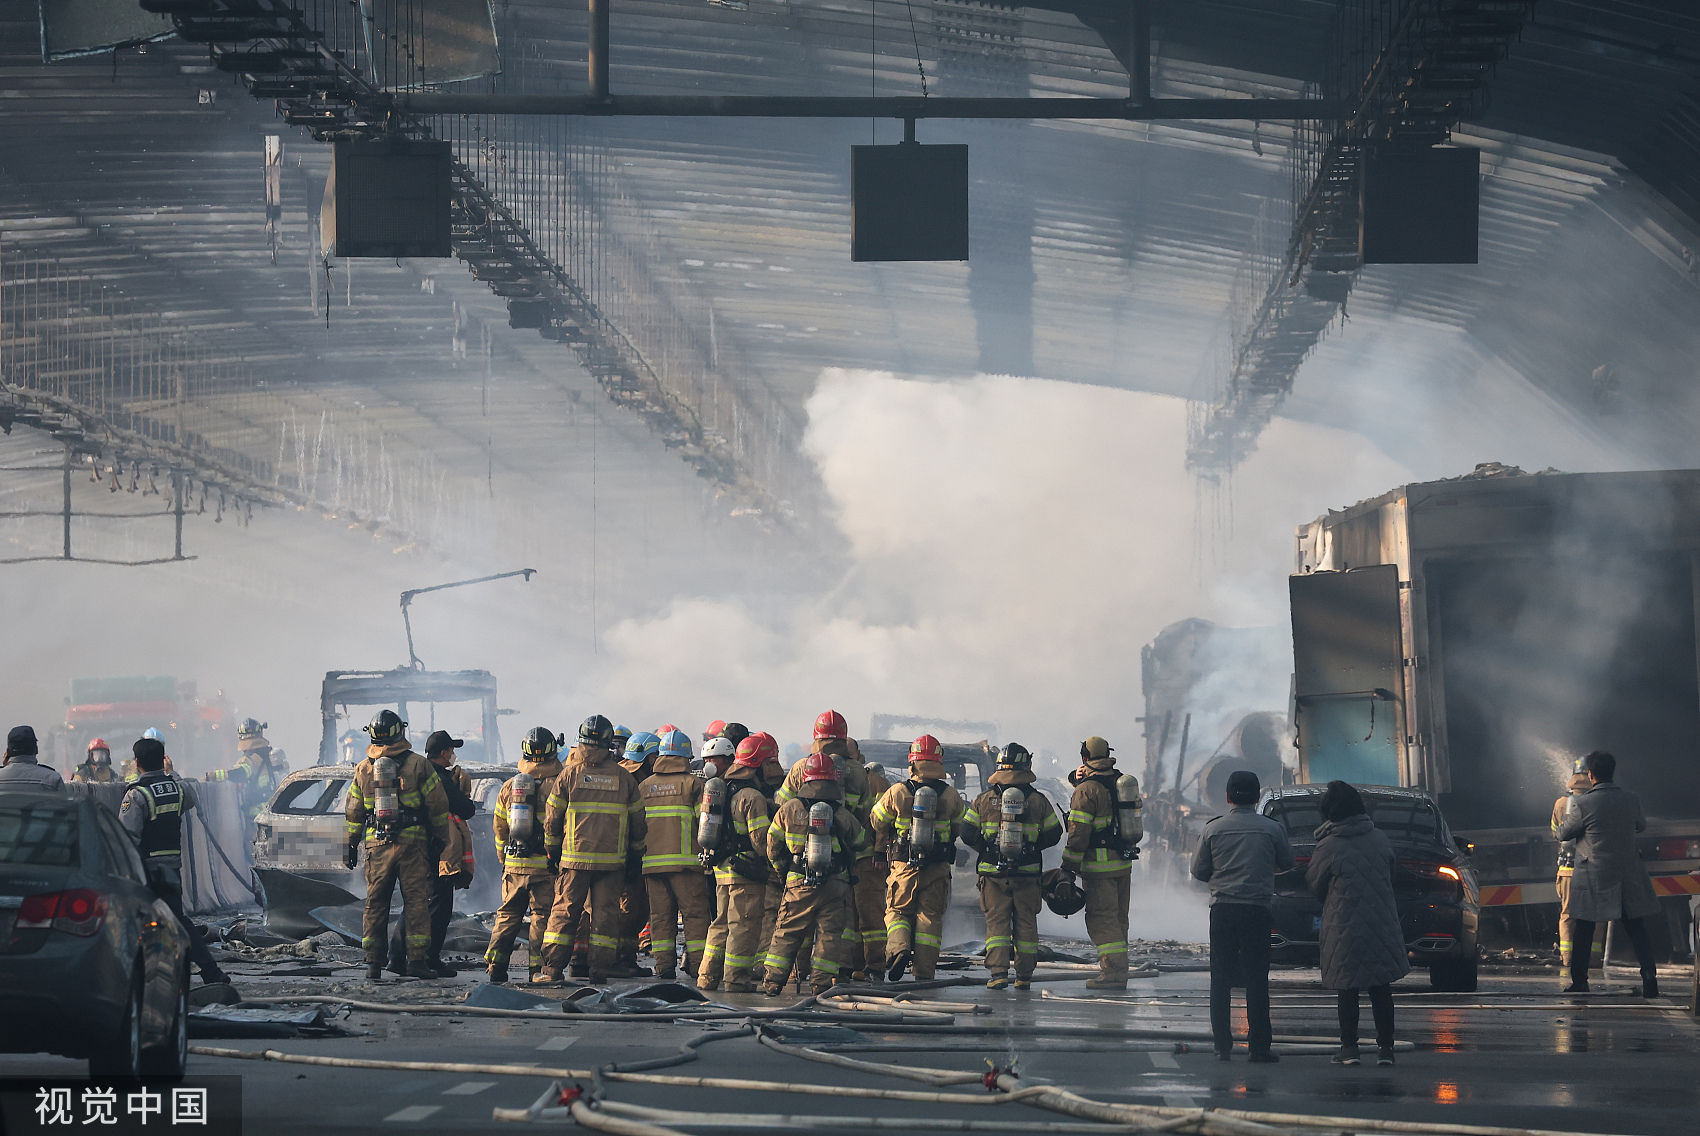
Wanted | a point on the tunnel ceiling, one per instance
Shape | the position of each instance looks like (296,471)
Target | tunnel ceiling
(1109,254)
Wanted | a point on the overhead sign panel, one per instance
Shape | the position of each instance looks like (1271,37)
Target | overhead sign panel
(908,202)
(1420,206)
(70,28)
(389,198)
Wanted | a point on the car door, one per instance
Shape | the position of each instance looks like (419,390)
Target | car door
(147,922)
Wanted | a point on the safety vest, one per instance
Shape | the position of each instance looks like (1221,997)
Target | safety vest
(162,832)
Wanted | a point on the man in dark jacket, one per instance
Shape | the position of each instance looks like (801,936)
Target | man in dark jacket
(21,768)
(440,752)
(1238,856)
(1609,881)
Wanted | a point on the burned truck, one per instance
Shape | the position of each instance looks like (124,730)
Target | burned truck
(1475,637)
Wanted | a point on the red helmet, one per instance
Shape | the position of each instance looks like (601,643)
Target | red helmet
(819,767)
(925,748)
(830,724)
(715,729)
(750,755)
(665,730)
(99,743)
(769,745)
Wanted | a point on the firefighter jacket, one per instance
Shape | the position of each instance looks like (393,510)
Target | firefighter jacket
(853,778)
(983,823)
(456,861)
(534,859)
(595,816)
(254,775)
(892,819)
(671,795)
(424,806)
(94,774)
(1094,848)
(788,834)
(1579,784)
(749,813)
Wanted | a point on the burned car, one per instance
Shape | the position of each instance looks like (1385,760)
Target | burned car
(1439,902)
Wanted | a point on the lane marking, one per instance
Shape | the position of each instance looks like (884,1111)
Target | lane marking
(557,1042)
(468,1088)
(1164,1060)
(412,1113)
(1176,1100)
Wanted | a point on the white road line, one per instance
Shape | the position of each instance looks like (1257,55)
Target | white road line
(1176,1100)
(559,1042)
(412,1113)
(1164,1061)
(468,1088)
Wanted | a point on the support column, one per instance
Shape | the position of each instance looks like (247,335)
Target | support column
(598,53)
(67,552)
(1139,52)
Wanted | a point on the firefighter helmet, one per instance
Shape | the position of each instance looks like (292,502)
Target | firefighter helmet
(1014,756)
(719,749)
(597,730)
(540,741)
(99,743)
(749,753)
(250,728)
(830,724)
(925,748)
(715,729)
(735,732)
(769,745)
(1061,893)
(675,743)
(819,767)
(664,729)
(642,747)
(154,733)
(1095,749)
(622,735)
(385,726)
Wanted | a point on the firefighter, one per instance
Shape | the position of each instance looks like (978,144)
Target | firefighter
(526,878)
(97,764)
(152,813)
(349,747)
(672,873)
(639,753)
(253,771)
(813,842)
(129,771)
(396,803)
(1104,830)
(1578,785)
(1010,825)
(732,835)
(452,863)
(717,757)
(916,821)
(593,825)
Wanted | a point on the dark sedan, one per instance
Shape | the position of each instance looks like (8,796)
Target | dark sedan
(91,964)
(1439,905)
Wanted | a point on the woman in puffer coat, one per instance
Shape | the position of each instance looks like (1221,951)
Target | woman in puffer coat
(1363,947)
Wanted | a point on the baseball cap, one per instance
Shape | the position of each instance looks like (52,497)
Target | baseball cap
(1243,787)
(440,740)
(21,739)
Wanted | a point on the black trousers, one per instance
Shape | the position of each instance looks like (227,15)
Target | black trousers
(442,908)
(1239,956)
(1381,1006)
(1640,939)
(199,954)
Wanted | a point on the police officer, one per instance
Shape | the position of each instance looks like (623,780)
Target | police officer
(741,873)
(1579,784)
(152,813)
(96,768)
(813,841)
(1098,853)
(594,822)
(1010,825)
(917,822)
(451,863)
(527,880)
(253,770)
(397,804)
(672,872)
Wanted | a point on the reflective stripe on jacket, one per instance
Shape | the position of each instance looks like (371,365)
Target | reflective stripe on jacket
(595,815)
(670,801)
(892,817)
(788,837)
(750,814)
(544,773)
(1092,818)
(983,821)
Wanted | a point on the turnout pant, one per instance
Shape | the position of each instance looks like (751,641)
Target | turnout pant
(867,910)
(575,888)
(915,901)
(1011,905)
(404,861)
(674,897)
(735,939)
(442,909)
(1106,920)
(1640,939)
(1381,1006)
(822,910)
(519,892)
(634,913)
(1567,927)
(1239,956)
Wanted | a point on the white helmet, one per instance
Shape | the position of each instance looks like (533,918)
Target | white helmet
(719,749)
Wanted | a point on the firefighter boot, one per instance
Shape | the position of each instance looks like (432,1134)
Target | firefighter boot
(374,972)
(497,974)
(547,976)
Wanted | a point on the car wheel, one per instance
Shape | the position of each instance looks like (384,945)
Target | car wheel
(1454,976)
(170,1059)
(121,1056)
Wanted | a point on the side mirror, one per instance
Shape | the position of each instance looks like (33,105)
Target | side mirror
(1468,848)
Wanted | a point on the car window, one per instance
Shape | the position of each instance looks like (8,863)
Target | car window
(43,834)
(122,859)
(1298,815)
(1406,821)
(311,796)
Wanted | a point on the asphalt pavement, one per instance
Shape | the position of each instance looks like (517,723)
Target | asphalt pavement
(1516,1054)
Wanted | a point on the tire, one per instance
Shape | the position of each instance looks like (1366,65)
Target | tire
(1454,976)
(121,1057)
(170,1060)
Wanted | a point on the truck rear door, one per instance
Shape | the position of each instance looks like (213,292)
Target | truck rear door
(1347,674)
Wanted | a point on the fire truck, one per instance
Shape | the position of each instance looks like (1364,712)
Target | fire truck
(200,733)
